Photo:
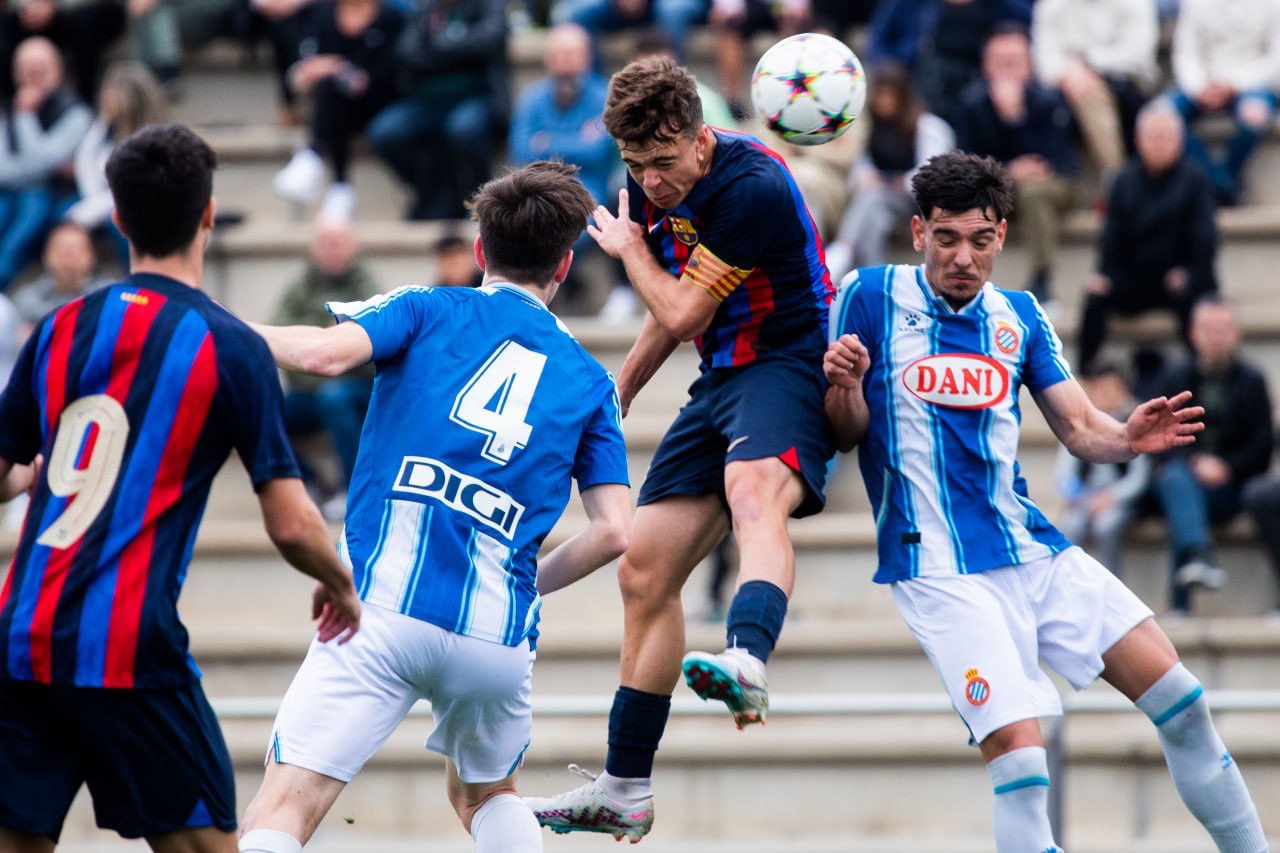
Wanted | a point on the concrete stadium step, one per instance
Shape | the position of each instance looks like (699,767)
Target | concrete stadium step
(846,774)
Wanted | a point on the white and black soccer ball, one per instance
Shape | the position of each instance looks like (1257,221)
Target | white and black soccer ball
(809,88)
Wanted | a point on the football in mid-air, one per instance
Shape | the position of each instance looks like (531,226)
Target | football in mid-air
(809,88)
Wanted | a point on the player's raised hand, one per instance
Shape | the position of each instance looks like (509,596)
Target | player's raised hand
(846,361)
(616,234)
(338,612)
(1164,423)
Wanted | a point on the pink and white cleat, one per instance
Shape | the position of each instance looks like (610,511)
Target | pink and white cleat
(734,677)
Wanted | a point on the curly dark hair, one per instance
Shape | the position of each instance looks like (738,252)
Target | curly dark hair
(956,182)
(529,218)
(653,101)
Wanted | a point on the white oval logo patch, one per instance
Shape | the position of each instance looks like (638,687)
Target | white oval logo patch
(957,380)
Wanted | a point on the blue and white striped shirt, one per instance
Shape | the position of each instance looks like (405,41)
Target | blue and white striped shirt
(483,410)
(940,455)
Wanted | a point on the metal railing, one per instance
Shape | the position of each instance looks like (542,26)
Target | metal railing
(851,705)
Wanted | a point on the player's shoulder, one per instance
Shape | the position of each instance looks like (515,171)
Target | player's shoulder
(747,168)
(870,282)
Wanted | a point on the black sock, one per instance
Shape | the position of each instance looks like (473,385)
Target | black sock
(755,618)
(636,723)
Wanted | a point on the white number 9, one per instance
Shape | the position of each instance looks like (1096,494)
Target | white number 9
(92,484)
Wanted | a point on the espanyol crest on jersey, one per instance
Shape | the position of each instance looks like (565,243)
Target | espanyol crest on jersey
(940,455)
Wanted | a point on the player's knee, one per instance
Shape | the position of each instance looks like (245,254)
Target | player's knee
(467,799)
(644,583)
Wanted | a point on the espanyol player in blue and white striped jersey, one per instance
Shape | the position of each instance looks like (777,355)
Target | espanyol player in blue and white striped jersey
(926,364)
(483,411)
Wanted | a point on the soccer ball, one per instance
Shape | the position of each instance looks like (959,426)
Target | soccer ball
(809,88)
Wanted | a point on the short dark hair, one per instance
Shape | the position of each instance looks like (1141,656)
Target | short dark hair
(161,178)
(452,243)
(529,218)
(956,182)
(653,101)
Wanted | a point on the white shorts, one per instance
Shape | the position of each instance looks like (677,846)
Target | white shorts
(346,700)
(986,633)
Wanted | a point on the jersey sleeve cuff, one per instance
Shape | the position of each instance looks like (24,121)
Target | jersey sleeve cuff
(280,471)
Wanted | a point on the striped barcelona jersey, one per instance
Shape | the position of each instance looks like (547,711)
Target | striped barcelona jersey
(745,235)
(483,410)
(135,395)
(940,455)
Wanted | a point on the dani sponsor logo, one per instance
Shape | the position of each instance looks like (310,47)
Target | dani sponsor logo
(469,495)
(957,380)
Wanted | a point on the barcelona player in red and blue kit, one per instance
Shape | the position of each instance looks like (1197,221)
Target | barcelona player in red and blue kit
(134,396)
(717,241)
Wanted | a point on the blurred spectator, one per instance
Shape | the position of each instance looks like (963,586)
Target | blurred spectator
(736,21)
(312,404)
(1100,499)
(159,31)
(39,132)
(1226,59)
(1159,240)
(130,100)
(941,41)
(1101,55)
(82,31)
(903,136)
(456,262)
(439,138)
(1201,485)
(1262,500)
(346,64)
(1008,116)
(673,17)
(284,22)
(69,264)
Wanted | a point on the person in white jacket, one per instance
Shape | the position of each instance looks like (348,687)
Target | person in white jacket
(130,99)
(902,137)
(1101,55)
(1226,59)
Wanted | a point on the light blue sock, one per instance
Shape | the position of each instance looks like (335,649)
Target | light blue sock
(1204,773)
(1021,813)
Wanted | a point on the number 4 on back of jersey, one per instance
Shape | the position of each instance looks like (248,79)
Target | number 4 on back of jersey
(496,400)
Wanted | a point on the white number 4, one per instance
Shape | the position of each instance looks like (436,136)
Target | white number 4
(496,400)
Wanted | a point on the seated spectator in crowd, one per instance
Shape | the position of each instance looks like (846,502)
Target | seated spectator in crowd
(1009,116)
(673,17)
(40,129)
(312,404)
(160,30)
(1226,59)
(941,41)
(456,262)
(1202,485)
(1262,500)
(903,136)
(1101,499)
(283,22)
(439,137)
(1159,239)
(69,273)
(130,100)
(82,31)
(1101,55)
(347,66)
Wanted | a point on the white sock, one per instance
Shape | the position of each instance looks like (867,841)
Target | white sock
(630,792)
(269,841)
(1021,812)
(1204,773)
(504,824)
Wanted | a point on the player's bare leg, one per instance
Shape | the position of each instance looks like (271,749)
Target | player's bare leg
(13,841)
(204,840)
(1019,771)
(494,814)
(762,494)
(287,809)
(1144,666)
(668,538)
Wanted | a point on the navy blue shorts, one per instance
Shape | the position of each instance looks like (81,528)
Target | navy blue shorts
(771,407)
(153,758)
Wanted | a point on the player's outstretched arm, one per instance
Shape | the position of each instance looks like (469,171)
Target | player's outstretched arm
(844,364)
(298,531)
(684,312)
(329,351)
(608,507)
(652,348)
(1156,426)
